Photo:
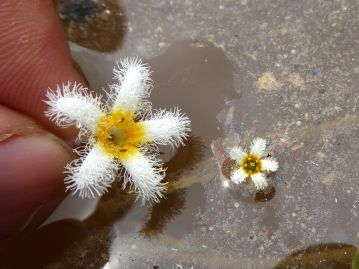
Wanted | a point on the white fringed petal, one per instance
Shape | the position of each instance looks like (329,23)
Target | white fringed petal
(144,176)
(239,176)
(237,154)
(259,181)
(167,127)
(134,85)
(269,164)
(258,147)
(70,104)
(91,175)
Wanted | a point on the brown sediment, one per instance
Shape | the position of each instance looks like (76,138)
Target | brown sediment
(265,195)
(97,25)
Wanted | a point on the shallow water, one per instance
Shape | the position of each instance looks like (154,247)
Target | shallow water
(184,84)
(280,70)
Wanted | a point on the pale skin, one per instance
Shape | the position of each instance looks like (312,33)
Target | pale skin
(33,57)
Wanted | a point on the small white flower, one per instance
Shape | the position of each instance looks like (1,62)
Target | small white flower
(121,133)
(252,164)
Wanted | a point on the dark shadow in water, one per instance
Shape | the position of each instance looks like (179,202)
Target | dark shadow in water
(163,212)
(97,25)
(35,250)
(69,239)
(322,256)
(173,203)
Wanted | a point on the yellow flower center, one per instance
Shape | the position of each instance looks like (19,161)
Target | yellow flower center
(119,134)
(252,164)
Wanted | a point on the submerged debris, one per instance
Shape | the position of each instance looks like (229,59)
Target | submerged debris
(94,24)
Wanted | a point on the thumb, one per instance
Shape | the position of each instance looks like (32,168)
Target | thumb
(31,165)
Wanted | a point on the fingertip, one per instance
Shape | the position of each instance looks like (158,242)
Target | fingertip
(34,56)
(31,164)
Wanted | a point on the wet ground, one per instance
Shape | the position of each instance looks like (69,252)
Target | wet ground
(286,71)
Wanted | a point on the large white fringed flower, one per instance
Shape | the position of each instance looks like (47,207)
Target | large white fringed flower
(252,164)
(121,133)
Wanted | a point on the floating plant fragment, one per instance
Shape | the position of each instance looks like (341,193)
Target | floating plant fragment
(252,164)
(121,133)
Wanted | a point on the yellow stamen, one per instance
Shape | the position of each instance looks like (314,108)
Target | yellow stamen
(252,164)
(119,134)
